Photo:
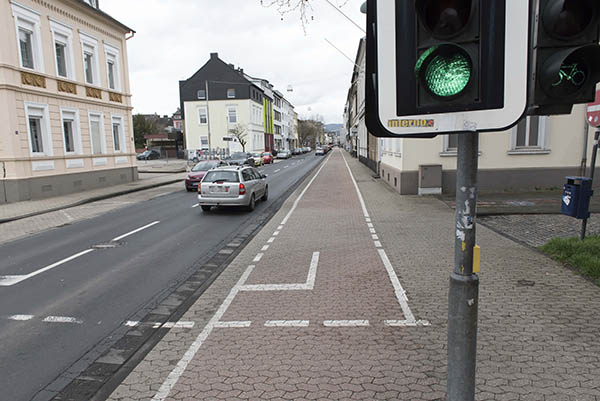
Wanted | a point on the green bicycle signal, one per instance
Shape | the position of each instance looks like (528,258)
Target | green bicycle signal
(570,73)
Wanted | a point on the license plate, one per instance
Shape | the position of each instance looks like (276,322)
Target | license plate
(219,189)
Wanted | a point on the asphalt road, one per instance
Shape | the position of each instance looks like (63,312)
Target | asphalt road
(50,319)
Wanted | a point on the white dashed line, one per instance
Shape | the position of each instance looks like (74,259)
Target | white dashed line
(179,325)
(345,323)
(372,230)
(374,236)
(264,248)
(406,323)
(120,237)
(367,219)
(271,240)
(196,205)
(286,323)
(278,170)
(285,166)
(258,257)
(308,285)
(61,319)
(276,233)
(20,317)
(227,325)
(377,244)
(280,228)
(370,225)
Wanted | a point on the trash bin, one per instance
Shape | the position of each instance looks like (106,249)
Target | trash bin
(576,197)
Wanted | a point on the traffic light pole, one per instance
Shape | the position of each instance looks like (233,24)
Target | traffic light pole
(592,168)
(463,298)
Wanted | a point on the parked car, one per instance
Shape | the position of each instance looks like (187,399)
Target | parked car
(199,170)
(149,154)
(283,154)
(258,159)
(320,152)
(232,186)
(267,157)
(240,158)
(297,151)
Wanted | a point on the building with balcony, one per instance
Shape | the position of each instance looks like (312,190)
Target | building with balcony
(65,102)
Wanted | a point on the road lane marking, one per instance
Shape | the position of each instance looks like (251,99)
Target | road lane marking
(20,317)
(258,257)
(285,166)
(158,325)
(398,289)
(233,324)
(370,225)
(61,319)
(406,323)
(295,205)
(308,285)
(178,325)
(169,383)
(377,244)
(345,323)
(12,280)
(120,237)
(374,236)
(196,205)
(276,171)
(264,248)
(271,240)
(286,323)
(280,228)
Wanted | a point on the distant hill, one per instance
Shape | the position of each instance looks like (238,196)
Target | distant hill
(333,127)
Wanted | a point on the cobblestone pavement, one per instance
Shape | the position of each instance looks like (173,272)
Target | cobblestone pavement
(537,229)
(22,228)
(327,303)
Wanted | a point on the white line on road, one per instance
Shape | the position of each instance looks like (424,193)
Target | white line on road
(271,240)
(120,237)
(20,317)
(169,383)
(360,198)
(372,230)
(258,257)
(286,323)
(276,171)
(156,325)
(345,323)
(308,285)
(233,324)
(178,325)
(196,205)
(406,323)
(264,248)
(374,236)
(12,280)
(276,233)
(377,244)
(280,228)
(285,166)
(287,216)
(61,319)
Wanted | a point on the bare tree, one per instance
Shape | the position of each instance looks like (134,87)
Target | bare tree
(303,7)
(240,133)
(310,130)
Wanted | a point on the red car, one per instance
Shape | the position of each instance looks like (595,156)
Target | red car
(267,157)
(197,173)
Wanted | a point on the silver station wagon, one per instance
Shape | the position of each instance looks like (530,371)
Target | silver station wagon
(232,186)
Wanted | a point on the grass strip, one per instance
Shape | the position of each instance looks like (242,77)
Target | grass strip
(584,256)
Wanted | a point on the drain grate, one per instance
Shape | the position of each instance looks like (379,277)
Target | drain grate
(526,283)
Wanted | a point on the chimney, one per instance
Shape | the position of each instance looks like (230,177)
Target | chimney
(214,56)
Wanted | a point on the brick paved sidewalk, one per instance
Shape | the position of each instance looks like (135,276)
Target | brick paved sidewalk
(19,210)
(336,300)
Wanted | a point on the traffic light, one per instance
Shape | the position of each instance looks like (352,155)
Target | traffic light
(565,55)
(439,66)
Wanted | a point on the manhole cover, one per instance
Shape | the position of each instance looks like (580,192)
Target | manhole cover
(108,245)
(526,283)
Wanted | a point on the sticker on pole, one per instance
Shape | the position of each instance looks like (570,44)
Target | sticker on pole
(593,111)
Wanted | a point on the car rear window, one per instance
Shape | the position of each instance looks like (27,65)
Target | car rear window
(204,166)
(226,176)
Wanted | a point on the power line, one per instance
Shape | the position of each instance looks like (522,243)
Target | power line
(348,18)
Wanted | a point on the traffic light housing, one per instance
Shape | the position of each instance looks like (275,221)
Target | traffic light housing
(565,55)
(439,66)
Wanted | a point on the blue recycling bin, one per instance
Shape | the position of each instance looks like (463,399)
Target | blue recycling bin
(576,197)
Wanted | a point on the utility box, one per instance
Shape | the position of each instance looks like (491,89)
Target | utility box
(576,197)
(430,179)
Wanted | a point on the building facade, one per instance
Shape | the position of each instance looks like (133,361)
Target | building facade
(535,154)
(65,99)
(217,102)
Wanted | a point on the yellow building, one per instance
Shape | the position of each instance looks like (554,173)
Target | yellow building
(65,102)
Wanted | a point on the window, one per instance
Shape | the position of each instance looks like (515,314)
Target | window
(202,115)
(232,114)
(118,134)
(71,132)
(96,134)
(230,93)
(450,145)
(201,94)
(63,49)
(529,133)
(112,67)
(38,129)
(90,59)
(204,142)
(27,23)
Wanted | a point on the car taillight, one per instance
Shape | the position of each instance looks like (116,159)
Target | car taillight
(242,189)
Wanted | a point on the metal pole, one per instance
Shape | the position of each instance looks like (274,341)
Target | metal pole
(463,297)
(207,121)
(593,168)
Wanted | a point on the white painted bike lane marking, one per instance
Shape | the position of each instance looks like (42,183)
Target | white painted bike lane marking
(120,237)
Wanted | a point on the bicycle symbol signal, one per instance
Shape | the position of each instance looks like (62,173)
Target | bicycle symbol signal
(571,73)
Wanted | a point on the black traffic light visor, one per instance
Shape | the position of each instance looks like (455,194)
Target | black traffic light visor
(444,19)
(568,20)
(571,71)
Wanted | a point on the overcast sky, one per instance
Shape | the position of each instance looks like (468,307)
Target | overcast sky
(174,39)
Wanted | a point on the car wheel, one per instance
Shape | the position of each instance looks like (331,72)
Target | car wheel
(205,208)
(252,203)
(266,194)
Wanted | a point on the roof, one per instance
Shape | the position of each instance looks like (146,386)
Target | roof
(105,15)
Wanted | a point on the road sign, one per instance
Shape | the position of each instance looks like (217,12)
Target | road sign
(593,111)
(445,66)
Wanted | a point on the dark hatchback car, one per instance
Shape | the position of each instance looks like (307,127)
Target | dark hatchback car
(198,171)
(148,155)
(240,158)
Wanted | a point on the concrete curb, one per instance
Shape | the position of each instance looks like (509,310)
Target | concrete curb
(90,200)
